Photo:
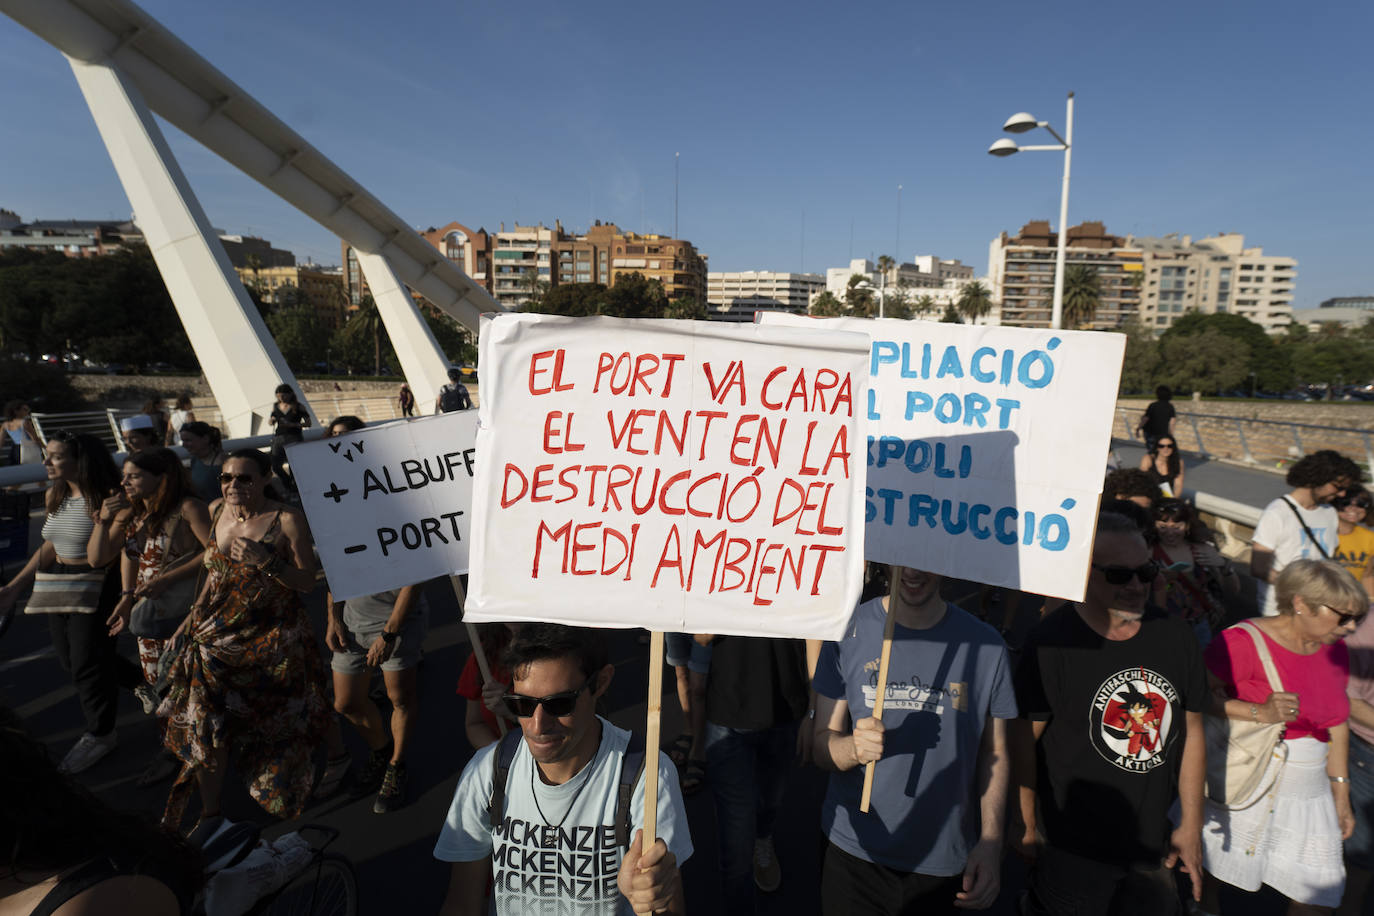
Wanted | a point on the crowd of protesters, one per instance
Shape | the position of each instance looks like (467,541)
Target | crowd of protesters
(1084,744)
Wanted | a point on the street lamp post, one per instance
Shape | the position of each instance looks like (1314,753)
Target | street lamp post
(1019,123)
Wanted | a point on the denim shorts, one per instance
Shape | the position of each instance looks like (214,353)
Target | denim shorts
(1359,849)
(681,649)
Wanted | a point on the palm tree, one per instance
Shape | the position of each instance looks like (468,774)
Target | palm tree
(1082,294)
(974,301)
(827,306)
(924,305)
(368,320)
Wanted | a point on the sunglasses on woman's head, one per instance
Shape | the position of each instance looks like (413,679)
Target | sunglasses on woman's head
(1120,575)
(556,704)
(239,478)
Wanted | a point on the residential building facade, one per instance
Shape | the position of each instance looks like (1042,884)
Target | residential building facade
(1021,272)
(76,238)
(737,295)
(1349,302)
(321,288)
(1213,275)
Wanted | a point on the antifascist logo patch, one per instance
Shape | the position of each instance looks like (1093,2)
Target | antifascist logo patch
(1131,718)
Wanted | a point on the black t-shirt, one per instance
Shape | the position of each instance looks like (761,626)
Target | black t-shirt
(757,682)
(1107,764)
(1157,417)
(295,415)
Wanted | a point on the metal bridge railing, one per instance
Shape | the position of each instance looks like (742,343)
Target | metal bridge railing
(1262,443)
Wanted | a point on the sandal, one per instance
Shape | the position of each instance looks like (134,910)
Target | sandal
(694,777)
(677,751)
(335,769)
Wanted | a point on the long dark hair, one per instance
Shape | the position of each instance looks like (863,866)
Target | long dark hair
(1178,510)
(173,486)
(96,473)
(50,822)
(1174,463)
(205,430)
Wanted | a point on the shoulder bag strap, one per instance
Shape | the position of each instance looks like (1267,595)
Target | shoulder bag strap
(1310,536)
(1267,660)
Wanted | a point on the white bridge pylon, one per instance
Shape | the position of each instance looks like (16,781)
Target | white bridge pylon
(127,65)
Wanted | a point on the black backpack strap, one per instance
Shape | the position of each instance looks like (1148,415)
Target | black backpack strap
(1310,536)
(630,770)
(501,762)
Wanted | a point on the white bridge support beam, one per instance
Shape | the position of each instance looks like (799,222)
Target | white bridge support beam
(422,360)
(240,360)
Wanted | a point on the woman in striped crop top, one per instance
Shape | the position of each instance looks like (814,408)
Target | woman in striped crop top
(83,476)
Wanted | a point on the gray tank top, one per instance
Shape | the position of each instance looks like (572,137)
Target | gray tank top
(69,528)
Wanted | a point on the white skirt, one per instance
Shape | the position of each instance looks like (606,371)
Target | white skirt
(1289,840)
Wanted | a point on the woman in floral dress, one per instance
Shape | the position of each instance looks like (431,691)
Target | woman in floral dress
(247,679)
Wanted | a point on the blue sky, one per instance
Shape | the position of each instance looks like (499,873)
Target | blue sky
(1190,118)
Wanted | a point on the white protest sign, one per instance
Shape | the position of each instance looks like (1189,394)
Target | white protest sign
(673,475)
(390,505)
(987,447)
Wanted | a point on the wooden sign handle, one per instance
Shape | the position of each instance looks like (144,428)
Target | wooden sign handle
(477,649)
(651,739)
(882,679)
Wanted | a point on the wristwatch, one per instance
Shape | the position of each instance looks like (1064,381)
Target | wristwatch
(389,638)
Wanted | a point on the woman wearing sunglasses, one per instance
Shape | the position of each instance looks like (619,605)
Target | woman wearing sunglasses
(1290,839)
(247,678)
(1355,551)
(1165,466)
(1197,580)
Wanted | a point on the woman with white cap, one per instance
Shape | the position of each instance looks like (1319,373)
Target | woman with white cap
(140,435)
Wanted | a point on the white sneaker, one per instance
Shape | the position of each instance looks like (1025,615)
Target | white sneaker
(148,697)
(87,752)
(767,872)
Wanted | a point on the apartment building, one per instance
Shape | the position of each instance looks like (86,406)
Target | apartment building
(737,295)
(1211,275)
(1021,273)
(76,238)
(321,288)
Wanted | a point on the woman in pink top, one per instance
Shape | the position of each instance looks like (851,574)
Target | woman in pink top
(1290,838)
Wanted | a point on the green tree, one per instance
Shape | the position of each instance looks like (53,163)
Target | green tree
(1270,363)
(897,304)
(572,299)
(924,304)
(1208,362)
(30,288)
(366,324)
(535,288)
(1141,365)
(635,296)
(453,338)
(303,341)
(859,301)
(974,301)
(951,316)
(686,307)
(827,306)
(1082,295)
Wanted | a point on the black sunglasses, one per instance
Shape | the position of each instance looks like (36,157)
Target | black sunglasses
(557,704)
(1120,575)
(1343,617)
(241,478)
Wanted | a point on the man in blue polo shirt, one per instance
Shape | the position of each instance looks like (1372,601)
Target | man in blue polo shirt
(932,840)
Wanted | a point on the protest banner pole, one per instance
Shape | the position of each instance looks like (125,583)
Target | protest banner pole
(896,576)
(651,736)
(477,649)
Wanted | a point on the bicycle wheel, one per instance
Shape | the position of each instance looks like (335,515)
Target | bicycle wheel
(326,888)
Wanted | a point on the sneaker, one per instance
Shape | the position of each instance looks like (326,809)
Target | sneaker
(767,873)
(393,792)
(370,780)
(87,752)
(148,697)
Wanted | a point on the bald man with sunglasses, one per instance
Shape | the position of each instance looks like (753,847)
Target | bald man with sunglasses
(1111,696)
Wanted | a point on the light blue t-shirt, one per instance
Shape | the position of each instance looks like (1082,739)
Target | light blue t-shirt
(942,684)
(559,856)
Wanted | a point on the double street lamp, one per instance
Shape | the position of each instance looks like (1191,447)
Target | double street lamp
(1020,123)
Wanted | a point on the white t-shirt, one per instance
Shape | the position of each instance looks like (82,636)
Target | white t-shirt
(569,869)
(1281,532)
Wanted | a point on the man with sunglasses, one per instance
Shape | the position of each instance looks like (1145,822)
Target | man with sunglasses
(548,837)
(1111,698)
(1302,525)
